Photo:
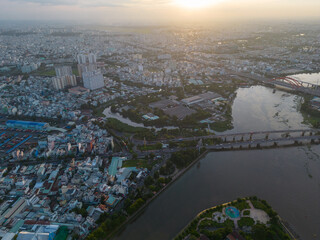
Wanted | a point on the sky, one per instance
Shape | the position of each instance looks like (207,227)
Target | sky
(158,11)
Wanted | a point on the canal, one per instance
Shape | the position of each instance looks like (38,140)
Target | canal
(289,179)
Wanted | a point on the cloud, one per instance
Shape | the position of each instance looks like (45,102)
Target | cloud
(97,3)
(49,2)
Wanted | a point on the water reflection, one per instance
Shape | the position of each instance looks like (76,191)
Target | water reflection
(260,109)
(313,78)
(289,179)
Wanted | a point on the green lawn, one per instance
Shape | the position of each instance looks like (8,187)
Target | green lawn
(156,146)
(47,73)
(140,163)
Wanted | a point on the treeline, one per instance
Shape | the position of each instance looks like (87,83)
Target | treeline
(180,160)
(134,201)
(273,230)
(108,224)
(308,109)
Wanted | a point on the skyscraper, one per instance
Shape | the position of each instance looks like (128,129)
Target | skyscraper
(64,81)
(63,71)
(86,63)
(64,78)
(90,58)
(93,80)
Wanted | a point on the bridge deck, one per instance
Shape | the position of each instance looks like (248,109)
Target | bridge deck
(232,135)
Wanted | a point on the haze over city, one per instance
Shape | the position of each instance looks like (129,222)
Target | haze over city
(158,11)
(159,119)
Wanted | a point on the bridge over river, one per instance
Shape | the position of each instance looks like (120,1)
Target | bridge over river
(238,136)
(302,137)
(288,83)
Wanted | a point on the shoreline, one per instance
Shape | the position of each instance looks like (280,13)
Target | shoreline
(140,210)
(286,226)
(183,171)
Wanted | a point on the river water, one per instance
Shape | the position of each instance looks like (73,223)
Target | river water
(289,179)
(107,112)
(313,78)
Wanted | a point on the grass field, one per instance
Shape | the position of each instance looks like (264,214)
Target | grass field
(140,163)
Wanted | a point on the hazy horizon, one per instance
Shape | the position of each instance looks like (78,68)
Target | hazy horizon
(158,11)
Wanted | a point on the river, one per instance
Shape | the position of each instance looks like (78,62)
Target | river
(313,78)
(289,179)
(107,112)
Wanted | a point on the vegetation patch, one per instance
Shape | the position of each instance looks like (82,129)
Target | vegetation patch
(246,212)
(246,221)
(203,224)
(139,163)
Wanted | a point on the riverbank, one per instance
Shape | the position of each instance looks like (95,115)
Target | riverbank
(140,211)
(286,173)
(180,174)
(126,121)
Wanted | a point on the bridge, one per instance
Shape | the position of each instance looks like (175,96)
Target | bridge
(243,145)
(238,136)
(288,83)
(266,143)
(294,83)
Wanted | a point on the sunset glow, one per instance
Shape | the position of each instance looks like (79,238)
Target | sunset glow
(195,3)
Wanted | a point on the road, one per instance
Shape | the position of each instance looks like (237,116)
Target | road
(223,136)
(237,144)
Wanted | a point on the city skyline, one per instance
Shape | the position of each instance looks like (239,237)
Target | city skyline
(158,11)
(159,119)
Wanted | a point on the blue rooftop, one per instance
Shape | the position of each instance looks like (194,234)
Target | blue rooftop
(115,164)
(26,123)
(112,201)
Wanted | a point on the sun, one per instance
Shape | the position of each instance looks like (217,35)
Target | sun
(195,3)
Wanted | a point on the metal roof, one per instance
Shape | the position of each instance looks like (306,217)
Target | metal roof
(26,123)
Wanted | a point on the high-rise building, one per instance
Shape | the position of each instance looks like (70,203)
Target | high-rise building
(93,80)
(64,78)
(86,63)
(82,68)
(63,71)
(64,81)
(90,58)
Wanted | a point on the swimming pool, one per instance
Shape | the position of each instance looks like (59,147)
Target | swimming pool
(232,212)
